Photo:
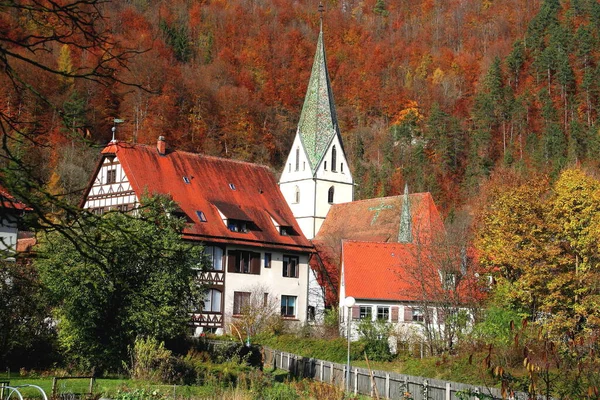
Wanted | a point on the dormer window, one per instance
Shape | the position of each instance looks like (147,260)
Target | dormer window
(236,225)
(186,180)
(231,186)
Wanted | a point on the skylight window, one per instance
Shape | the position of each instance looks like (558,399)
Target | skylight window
(231,186)
(201,216)
(186,179)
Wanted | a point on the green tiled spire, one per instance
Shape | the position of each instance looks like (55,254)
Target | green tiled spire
(405,231)
(318,120)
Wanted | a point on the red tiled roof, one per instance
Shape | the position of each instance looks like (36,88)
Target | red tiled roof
(25,245)
(253,195)
(378,220)
(9,202)
(372,220)
(397,272)
(380,271)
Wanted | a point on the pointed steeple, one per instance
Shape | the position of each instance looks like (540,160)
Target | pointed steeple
(405,231)
(318,120)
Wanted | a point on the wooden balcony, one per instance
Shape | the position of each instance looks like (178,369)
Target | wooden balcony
(211,277)
(207,320)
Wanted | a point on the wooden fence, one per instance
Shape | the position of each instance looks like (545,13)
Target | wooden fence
(389,385)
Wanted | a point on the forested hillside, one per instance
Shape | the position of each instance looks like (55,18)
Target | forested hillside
(434,93)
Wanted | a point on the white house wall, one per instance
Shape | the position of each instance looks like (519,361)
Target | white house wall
(270,280)
(105,195)
(8,233)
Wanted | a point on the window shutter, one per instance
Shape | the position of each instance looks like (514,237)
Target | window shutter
(232,260)
(407,313)
(255,263)
(394,314)
(355,312)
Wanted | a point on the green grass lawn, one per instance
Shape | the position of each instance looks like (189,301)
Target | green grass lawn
(105,387)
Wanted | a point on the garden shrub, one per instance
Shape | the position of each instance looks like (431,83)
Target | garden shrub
(150,360)
(374,335)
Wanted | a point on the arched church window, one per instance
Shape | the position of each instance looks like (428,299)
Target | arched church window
(297,195)
(330,195)
(297,159)
(333,159)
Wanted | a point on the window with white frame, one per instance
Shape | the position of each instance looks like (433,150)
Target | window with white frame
(417,315)
(215,257)
(366,312)
(212,301)
(288,306)
(383,313)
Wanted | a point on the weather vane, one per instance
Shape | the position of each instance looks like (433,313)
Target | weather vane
(321,11)
(114,128)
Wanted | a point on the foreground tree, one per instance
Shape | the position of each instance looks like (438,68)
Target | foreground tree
(26,336)
(137,279)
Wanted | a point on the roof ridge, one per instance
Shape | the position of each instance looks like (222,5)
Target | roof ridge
(354,241)
(381,198)
(183,152)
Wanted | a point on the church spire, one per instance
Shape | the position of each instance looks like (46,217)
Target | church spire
(318,120)
(405,231)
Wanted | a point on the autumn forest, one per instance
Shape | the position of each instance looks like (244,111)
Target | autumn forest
(436,94)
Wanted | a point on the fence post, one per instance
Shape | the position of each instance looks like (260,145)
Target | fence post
(92,379)
(54,387)
(425,389)
(355,381)
(331,373)
(387,385)
(321,372)
(344,376)
(448,397)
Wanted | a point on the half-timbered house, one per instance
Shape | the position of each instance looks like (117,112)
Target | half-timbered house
(234,209)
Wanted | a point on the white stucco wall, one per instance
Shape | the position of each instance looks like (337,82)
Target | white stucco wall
(270,280)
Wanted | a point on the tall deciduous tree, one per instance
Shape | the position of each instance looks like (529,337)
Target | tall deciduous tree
(543,242)
(137,279)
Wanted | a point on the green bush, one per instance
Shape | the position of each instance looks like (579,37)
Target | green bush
(374,335)
(150,360)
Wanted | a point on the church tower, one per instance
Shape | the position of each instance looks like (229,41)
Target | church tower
(316,173)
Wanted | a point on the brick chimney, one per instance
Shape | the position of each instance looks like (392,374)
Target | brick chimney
(161,145)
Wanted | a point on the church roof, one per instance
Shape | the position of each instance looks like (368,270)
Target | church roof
(208,188)
(373,220)
(380,219)
(318,120)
